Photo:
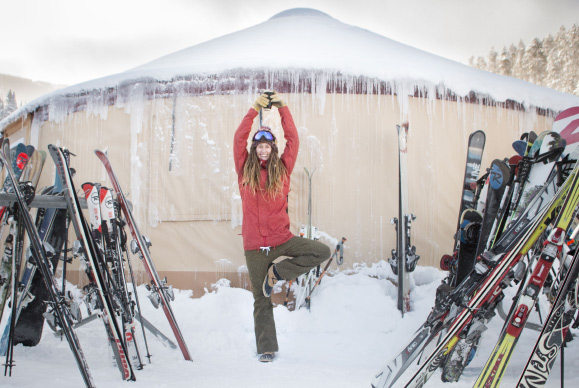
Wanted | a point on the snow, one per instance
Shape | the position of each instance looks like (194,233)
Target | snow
(303,45)
(352,330)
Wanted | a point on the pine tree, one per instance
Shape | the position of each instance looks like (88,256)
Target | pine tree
(481,63)
(505,64)
(2,113)
(11,104)
(518,66)
(551,62)
(573,64)
(535,62)
(492,64)
(556,61)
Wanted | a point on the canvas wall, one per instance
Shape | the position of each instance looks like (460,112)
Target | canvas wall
(173,157)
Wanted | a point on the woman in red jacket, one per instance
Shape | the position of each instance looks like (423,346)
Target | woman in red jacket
(264,184)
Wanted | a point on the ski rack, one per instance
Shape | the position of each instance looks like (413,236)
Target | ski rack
(40,201)
(45,201)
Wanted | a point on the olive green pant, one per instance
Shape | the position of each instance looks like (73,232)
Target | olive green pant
(303,255)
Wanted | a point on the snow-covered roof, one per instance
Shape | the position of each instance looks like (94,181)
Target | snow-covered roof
(302,40)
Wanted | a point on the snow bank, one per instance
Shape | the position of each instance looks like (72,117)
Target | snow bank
(352,330)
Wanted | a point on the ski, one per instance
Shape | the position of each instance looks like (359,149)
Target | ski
(95,260)
(390,373)
(468,198)
(493,370)
(19,160)
(425,334)
(401,239)
(554,332)
(139,246)
(499,181)
(42,260)
(101,212)
(476,144)
(31,173)
(469,233)
(28,181)
(548,146)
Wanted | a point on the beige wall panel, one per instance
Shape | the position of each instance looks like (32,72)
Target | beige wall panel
(173,156)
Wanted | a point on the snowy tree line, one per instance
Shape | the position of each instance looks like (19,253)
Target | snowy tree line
(9,105)
(552,62)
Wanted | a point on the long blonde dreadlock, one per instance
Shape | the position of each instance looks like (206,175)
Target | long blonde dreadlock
(276,173)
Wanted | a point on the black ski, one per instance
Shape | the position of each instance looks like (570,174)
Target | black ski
(92,254)
(41,258)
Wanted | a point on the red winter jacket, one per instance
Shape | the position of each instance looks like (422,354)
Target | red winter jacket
(265,219)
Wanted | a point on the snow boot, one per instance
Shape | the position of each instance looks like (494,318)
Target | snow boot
(267,357)
(270,280)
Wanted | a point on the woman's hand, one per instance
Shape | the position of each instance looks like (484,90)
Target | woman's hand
(261,102)
(277,101)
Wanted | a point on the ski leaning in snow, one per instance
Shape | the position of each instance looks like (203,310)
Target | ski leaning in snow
(552,337)
(95,260)
(141,248)
(100,217)
(499,181)
(52,225)
(42,260)
(398,365)
(18,164)
(465,348)
(494,368)
(484,283)
(476,145)
(469,232)
(305,283)
(548,146)
(475,149)
(30,175)
(404,258)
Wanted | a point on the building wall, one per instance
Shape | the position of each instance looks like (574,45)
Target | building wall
(173,157)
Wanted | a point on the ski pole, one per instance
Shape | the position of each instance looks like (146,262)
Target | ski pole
(319,280)
(288,292)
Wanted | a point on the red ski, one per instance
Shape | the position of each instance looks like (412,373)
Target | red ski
(142,250)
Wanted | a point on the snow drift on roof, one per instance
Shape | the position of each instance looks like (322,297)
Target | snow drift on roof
(304,39)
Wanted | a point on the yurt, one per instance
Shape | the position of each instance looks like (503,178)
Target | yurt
(168,127)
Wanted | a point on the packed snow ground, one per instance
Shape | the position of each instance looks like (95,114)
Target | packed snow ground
(352,330)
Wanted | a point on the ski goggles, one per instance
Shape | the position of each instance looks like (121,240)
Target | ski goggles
(267,135)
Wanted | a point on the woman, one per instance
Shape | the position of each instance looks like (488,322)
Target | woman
(264,183)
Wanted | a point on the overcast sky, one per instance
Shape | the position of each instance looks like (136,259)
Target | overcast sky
(71,41)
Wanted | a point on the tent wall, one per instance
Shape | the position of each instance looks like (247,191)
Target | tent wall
(173,156)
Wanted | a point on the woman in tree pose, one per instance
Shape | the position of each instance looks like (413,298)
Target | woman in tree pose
(264,184)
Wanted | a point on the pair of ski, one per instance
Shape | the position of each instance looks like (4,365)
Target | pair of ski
(480,290)
(530,170)
(52,228)
(28,164)
(56,299)
(552,249)
(140,247)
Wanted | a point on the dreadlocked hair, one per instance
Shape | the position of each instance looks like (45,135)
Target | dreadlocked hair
(276,173)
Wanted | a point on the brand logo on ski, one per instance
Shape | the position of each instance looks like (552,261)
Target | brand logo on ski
(496,177)
(566,123)
(123,358)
